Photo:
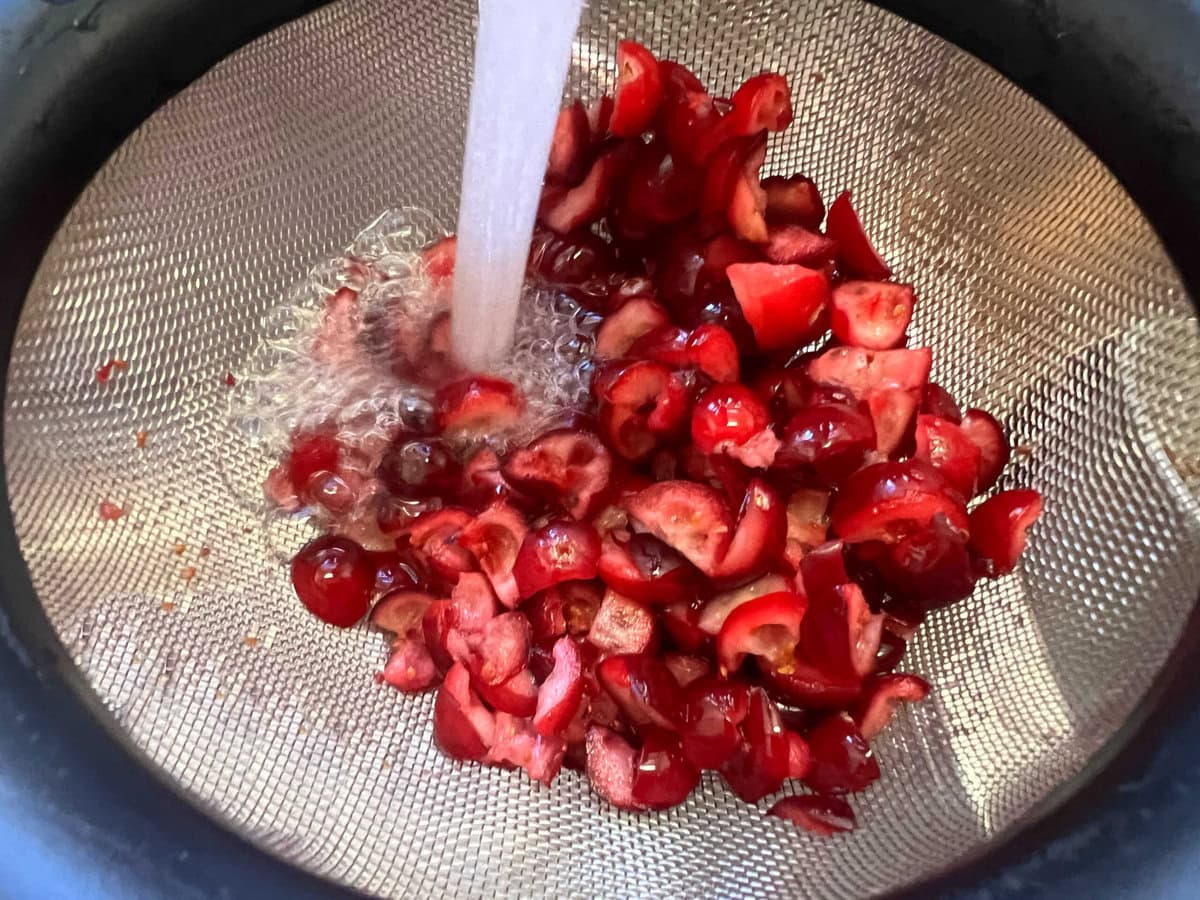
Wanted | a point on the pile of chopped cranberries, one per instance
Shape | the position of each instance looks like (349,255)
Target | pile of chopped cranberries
(717,565)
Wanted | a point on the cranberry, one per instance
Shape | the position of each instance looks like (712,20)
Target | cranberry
(825,816)
(761,762)
(842,761)
(662,776)
(334,577)
(557,552)
(420,467)
(727,415)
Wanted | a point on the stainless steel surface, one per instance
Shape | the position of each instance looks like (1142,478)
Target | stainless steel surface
(1043,292)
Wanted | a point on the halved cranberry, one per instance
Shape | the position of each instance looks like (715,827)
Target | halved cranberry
(731,186)
(545,614)
(713,711)
(767,627)
(643,688)
(562,692)
(785,391)
(889,501)
(687,667)
(723,473)
(825,816)
(662,776)
(759,538)
(842,761)
(982,430)
(714,352)
(762,102)
(946,447)
(871,314)
(439,618)
(794,200)
(503,648)
(646,569)
(828,440)
(495,538)
(799,756)
(638,404)
(622,625)
(807,523)
(881,695)
(803,684)
(931,567)
(610,767)
(666,345)
(569,209)
(419,468)
(410,667)
(569,466)
(621,329)
(477,404)
(856,255)
(517,696)
(639,90)
(312,455)
(439,257)
(570,146)
(860,371)
(840,634)
(712,616)
(473,601)
(462,727)
(796,245)
(334,578)
(692,518)
(515,743)
(893,411)
(937,401)
(998,528)
(760,764)
(580,605)
(681,621)
(580,264)
(783,304)
(400,612)
(660,189)
(556,552)
(727,417)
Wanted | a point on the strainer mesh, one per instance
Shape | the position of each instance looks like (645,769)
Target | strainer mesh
(1043,292)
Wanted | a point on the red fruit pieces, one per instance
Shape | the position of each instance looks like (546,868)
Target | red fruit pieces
(828,440)
(462,726)
(400,612)
(689,517)
(766,627)
(477,405)
(334,578)
(566,210)
(714,708)
(439,257)
(622,625)
(570,147)
(930,568)
(556,552)
(840,634)
(861,371)
(687,668)
(803,684)
(759,538)
(842,761)
(871,314)
(643,688)
(795,244)
(825,816)
(793,201)
(503,648)
(639,404)
(799,756)
(712,617)
(731,187)
(946,447)
(662,775)
(495,537)
(998,528)
(410,667)
(762,102)
(312,455)
(714,352)
(761,763)
(417,468)
(881,695)
(982,430)
(937,401)
(856,255)
(646,569)
(611,762)
(620,330)
(889,501)
(562,692)
(518,696)
(639,90)
(569,466)
(730,418)
(782,304)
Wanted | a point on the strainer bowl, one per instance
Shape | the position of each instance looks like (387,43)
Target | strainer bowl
(1045,295)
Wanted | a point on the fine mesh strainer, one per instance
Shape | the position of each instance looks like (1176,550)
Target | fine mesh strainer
(1045,296)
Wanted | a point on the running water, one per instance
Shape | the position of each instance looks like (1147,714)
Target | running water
(522,51)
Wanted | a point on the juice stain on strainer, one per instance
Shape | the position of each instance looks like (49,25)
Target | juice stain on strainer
(355,355)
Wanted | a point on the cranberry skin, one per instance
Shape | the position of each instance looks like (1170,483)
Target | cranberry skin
(662,777)
(727,414)
(420,467)
(334,578)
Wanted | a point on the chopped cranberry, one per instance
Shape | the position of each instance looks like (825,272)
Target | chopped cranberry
(793,201)
(881,695)
(731,186)
(580,264)
(462,727)
(805,685)
(982,430)
(947,448)
(646,569)
(334,578)
(400,612)
(719,307)
(410,668)
(856,255)
(888,501)
(622,625)
(799,756)
(313,455)
(399,570)
(840,634)
(662,776)
(562,692)
(420,467)
(842,761)
(581,602)
(494,538)
(666,344)
(767,627)
(714,613)
(785,391)
(714,352)
(807,522)
(713,711)
(726,417)
(557,552)
(760,764)
(518,696)
(796,245)
(827,440)
(621,329)
(871,314)
(503,648)
(937,401)
(681,622)
(931,567)
(825,816)
(545,614)
(570,147)
(691,518)
(565,210)
(660,189)
(687,667)
(639,90)
(478,404)
(611,762)
(998,528)
(439,257)
(861,371)
(783,304)
(758,539)
(569,466)
(435,535)
(639,404)
(644,689)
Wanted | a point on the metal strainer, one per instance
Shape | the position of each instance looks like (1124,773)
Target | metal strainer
(1045,296)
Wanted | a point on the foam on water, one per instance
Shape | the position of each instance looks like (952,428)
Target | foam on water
(319,367)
